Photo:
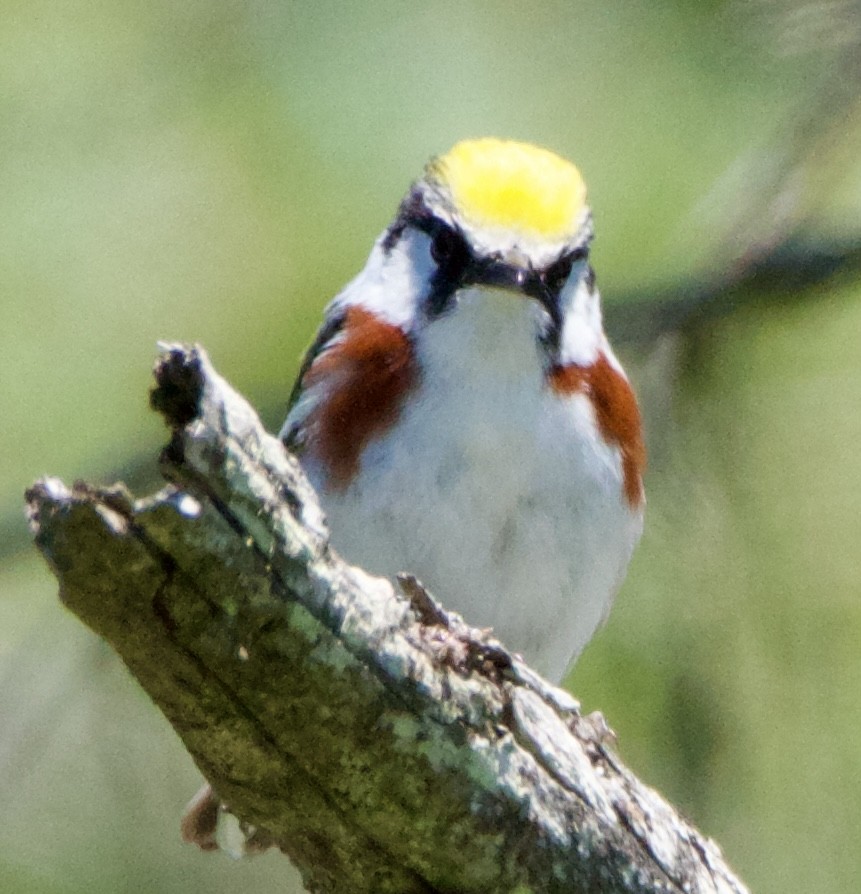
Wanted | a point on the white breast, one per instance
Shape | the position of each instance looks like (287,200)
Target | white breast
(497,493)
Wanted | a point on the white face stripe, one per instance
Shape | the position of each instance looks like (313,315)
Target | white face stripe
(394,280)
(582,337)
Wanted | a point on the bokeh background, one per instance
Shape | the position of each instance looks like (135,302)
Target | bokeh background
(215,171)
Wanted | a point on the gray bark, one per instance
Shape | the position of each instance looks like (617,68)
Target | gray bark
(376,739)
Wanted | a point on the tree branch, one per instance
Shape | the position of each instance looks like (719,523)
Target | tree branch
(778,273)
(377,740)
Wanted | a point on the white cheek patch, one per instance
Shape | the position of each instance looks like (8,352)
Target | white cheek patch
(394,281)
(582,330)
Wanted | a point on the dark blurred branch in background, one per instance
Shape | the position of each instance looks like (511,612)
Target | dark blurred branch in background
(375,739)
(781,275)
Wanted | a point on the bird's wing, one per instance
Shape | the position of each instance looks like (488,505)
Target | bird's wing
(327,334)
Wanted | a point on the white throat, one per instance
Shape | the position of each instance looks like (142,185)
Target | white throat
(489,334)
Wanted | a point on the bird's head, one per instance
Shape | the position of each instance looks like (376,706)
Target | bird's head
(491,216)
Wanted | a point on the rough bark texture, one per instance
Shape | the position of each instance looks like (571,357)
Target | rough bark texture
(381,743)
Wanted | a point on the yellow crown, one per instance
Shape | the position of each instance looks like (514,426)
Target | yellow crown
(502,184)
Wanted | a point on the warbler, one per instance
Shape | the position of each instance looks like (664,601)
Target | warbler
(462,414)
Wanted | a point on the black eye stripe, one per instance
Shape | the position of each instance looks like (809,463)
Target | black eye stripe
(555,276)
(450,250)
(452,255)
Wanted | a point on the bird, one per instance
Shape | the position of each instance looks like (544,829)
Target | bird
(461,412)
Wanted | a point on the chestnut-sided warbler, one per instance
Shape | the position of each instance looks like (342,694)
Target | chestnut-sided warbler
(461,412)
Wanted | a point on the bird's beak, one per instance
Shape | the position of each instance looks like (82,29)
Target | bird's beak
(497,274)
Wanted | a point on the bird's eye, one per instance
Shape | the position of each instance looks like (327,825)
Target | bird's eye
(449,250)
(557,273)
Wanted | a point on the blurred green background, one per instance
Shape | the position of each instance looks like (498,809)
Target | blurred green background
(216,171)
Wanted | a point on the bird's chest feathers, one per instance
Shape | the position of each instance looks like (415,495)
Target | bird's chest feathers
(483,455)
(481,391)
